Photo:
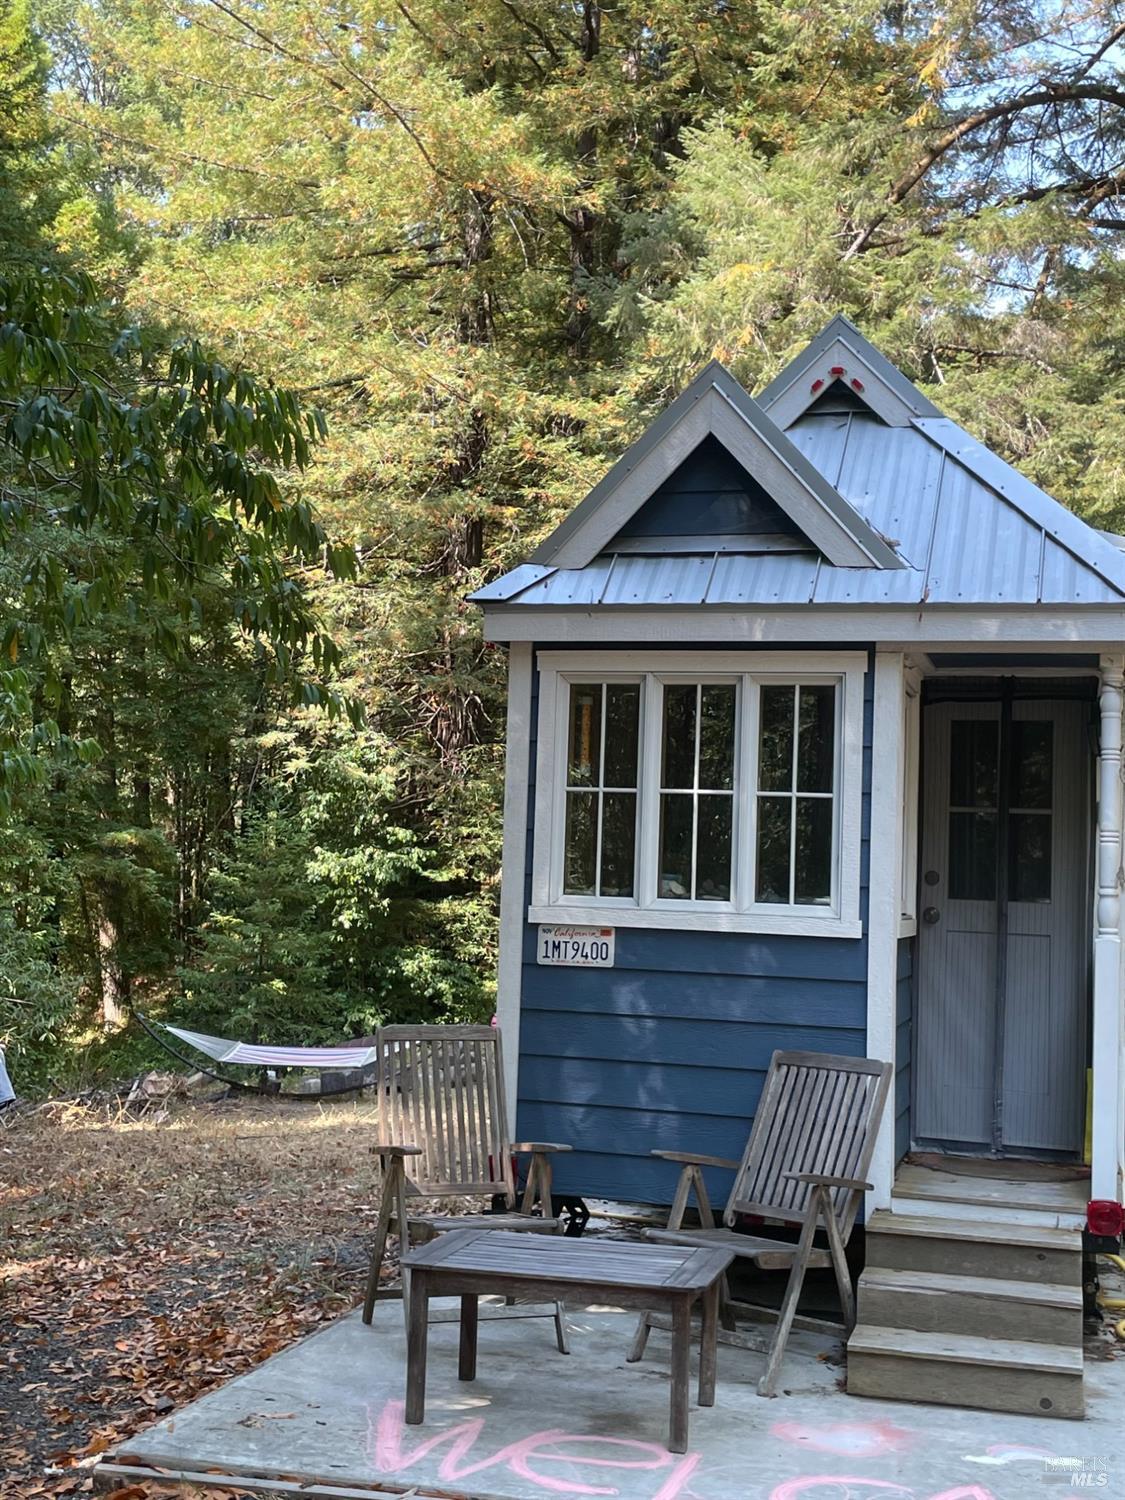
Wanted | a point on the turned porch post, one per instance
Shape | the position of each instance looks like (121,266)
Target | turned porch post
(1108,1122)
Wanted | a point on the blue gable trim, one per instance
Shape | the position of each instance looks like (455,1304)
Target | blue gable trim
(668,1049)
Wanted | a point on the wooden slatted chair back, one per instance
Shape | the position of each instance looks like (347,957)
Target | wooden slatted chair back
(441,1088)
(817,1113)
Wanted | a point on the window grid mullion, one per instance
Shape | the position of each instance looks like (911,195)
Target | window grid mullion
(600,794)
(653,712)
(793,797)
(695,791)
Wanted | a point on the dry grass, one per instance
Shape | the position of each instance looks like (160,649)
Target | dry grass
(143,1261)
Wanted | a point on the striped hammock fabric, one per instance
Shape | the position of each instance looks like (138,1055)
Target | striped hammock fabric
(221,1050)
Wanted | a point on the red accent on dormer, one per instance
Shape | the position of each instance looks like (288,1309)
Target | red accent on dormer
(816,385)
(837,370)
(857,385)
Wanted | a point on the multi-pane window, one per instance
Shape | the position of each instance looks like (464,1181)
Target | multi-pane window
(601,789)
(693,794)
(697,791)
(796,781)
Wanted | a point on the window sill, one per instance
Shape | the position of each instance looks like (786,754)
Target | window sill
(907,927)
(776,924)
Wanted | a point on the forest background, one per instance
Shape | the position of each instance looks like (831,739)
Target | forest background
(316,316)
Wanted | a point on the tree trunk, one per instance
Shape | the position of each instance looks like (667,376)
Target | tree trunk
(582,221)
(114,982)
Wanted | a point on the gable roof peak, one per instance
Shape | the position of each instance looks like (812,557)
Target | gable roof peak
(841,346)
(716,404)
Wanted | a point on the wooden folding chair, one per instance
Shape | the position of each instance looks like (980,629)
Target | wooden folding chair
(442,1109)
(805,1163)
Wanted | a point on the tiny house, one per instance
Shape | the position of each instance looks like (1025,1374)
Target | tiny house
(814,741)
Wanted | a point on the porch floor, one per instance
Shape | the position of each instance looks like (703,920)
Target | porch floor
(947,1184)
(328,1412)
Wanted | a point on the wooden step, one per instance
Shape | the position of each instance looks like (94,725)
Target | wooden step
(954,1369)
(995,1196)
(937,1302)
(969,1247)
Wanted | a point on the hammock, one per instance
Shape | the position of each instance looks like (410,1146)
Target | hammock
(246,1054)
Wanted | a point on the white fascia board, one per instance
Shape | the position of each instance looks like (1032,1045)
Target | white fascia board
(1085,544)
(797,395)
(1097,628)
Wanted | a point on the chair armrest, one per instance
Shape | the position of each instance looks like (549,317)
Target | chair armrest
(523,1147)
(855,1183)
(694,1158)
(384,1150)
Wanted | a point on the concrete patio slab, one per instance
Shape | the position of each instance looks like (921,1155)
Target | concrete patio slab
(325,1417)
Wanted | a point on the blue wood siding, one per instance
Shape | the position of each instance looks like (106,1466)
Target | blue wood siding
(668,1049)
(710,494)
(904,1020)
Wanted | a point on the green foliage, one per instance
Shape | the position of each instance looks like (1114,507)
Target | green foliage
(329,916)
(489,248)
(264,956)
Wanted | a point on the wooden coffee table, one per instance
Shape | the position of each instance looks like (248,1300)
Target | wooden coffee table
(470,1263)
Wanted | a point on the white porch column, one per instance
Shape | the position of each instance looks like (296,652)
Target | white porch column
(513,868)
(1108,1105)
(885,898)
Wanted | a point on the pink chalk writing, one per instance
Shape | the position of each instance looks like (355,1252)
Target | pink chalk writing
(537,1459)
(527,1457)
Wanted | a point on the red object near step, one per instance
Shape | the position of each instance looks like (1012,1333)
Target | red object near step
(1105,1217)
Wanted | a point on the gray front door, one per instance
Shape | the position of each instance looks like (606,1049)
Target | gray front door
(1000,1028)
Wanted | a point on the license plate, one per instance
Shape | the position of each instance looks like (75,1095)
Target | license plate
(576,947)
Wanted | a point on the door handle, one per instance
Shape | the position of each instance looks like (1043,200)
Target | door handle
(931,916)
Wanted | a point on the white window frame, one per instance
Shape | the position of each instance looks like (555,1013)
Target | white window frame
(751,670)
(911,764)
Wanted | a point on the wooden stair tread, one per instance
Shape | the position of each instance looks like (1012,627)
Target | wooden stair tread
(961,1348)
(1044,1293)
(1019,1236)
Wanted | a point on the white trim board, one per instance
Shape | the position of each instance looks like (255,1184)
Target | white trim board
(1101,629)
(1108,1040)
(884,911)
(793,399)
(509,978)
(890,383)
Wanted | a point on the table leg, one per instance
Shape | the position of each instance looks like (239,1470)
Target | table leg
(681,1359)
(708,1342)
(467,1357)
(418,1320)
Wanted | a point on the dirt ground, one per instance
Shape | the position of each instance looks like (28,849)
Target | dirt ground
(145,1260)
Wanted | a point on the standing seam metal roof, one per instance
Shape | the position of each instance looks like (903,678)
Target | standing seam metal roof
(972,531)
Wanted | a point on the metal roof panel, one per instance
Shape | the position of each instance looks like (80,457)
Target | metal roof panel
(659,580)
(509,584)
(983,550)
(767,578)
(1066,580)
